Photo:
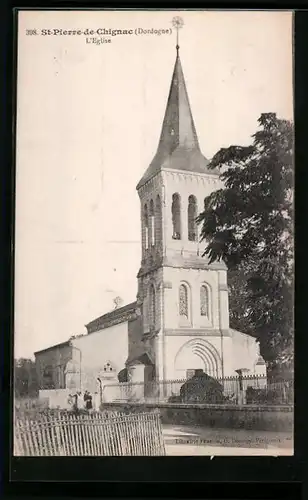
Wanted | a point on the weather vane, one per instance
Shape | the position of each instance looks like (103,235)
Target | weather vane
(177,23)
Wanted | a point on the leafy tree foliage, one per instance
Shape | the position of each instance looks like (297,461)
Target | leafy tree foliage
(248,224)
(238,290)
(25,378)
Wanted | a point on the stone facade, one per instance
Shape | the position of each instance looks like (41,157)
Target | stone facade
(184,299)
(51,366)
(167,263)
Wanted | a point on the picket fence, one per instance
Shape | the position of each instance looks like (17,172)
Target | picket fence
(97,434)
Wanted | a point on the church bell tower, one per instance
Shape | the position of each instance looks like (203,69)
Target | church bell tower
(183,298)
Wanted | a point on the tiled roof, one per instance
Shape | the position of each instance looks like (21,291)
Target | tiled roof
(62,344)
(125,313)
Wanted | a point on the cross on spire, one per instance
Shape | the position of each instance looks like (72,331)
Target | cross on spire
(177,23)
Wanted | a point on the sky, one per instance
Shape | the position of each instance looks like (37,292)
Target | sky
(89,118)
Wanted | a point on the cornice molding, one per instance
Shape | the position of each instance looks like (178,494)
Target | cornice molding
(210,178)
(150,186)
(191,332)
(150,266)
(192,263)
(203,177)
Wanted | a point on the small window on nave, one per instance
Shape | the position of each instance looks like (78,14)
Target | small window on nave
(176,216)
(192,215)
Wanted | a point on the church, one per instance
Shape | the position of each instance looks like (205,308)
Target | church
(180,320)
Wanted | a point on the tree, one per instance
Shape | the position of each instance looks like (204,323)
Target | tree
(238,290)
(248,224)
(25,378)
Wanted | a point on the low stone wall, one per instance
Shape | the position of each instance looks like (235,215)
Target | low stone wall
(268,418)
(57,398)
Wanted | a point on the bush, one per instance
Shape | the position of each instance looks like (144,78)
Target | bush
(269,396)
(123,375)
(202,388)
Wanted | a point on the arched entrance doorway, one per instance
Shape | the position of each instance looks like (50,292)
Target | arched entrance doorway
(197,354)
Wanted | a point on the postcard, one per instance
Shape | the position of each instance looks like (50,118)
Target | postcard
(154,233)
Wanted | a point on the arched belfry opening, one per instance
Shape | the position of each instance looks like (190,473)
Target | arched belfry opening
(176,216)
(146,227)
(191,216)
(152,224)
(158,221)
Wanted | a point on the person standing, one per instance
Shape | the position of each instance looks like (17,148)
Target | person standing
(79,401)
(88,400)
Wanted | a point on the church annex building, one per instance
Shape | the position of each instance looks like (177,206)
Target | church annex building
(180,320)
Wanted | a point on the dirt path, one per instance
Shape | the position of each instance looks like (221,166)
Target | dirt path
(185,440)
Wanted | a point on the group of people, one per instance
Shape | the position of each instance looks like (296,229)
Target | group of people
(79,402)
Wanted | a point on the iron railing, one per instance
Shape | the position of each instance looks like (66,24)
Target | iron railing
(229,390)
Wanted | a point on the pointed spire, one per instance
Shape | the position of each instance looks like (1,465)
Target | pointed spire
(178,126)
(178,146)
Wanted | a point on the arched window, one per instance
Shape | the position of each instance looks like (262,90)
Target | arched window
(176,216)
(152,224)
(152,308)
(146,227)
(183,301)
(158,220)
(204,301)
(192,214)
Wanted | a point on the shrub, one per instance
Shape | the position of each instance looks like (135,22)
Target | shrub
(202,388)
(277,395)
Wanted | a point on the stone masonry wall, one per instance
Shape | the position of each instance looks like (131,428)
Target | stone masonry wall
(267,418)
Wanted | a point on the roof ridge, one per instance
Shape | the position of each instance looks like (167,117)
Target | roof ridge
(114,312)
